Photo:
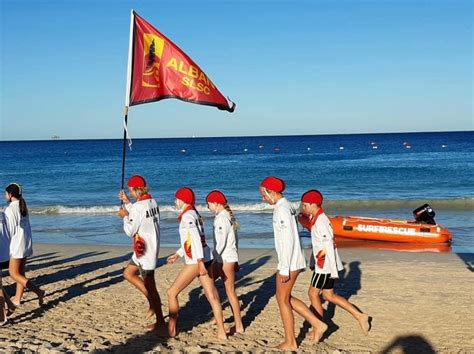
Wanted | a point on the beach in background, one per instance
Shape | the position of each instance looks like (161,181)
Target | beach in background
(420,303)
(71,186)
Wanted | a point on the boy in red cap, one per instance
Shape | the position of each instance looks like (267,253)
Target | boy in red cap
(197,258)
(326,259)
(291,262)
(226,258)
(141,221)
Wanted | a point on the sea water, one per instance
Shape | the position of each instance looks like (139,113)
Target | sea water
(71,186)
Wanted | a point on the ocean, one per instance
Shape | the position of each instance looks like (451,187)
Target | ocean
(71,186)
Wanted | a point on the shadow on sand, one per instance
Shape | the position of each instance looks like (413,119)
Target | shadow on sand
(198,311)
(69,272)
(413,344)
(468,259)
(349,284)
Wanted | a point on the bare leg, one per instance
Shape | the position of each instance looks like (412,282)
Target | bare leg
(155,304)
(17,270)
(229,283)
(187,274)
(213,298)
(10,305)
(3,311)
(283,295)
(342,302)
(130,273)
(317,332)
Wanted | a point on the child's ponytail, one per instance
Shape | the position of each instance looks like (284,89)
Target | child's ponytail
(233,220)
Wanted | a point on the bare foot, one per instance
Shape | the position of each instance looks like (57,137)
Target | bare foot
(318,332)
(149,314)
(288,346)
(239,329)
(310,335)
(364,323)
(15,302)
(221,334)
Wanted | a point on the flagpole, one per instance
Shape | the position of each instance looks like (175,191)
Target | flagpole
(127,94)
(124,150)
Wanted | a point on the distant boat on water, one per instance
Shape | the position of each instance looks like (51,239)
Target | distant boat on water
(55,137)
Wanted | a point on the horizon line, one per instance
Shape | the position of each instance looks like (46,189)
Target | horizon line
(58,138)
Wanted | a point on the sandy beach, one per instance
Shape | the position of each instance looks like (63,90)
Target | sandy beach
(420,302)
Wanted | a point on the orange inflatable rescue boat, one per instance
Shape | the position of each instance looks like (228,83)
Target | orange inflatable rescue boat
(423,230)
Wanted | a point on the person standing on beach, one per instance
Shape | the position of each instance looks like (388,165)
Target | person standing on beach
(226,258)
(197,258)
(5,311)
(291,262)
(141,221)
(326,259)
(21,243)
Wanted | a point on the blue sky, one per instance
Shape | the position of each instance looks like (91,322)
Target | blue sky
(292,67)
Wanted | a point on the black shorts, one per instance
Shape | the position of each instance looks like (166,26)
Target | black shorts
(208,264)
(322,281)
(143,272)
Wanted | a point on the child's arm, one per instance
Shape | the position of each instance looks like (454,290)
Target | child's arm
(285,241)
(11,222)
(221,230)
(327,236)
(132,221)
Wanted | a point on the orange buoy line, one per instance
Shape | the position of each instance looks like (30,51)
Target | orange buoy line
(363,228)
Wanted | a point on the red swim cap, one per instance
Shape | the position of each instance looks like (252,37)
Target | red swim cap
(216,197)
(186,195)
(136,182)
(274,184)
(312,196)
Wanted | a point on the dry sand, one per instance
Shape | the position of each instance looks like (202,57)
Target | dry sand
(420,302)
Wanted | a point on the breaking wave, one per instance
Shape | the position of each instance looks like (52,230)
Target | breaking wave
(461,204)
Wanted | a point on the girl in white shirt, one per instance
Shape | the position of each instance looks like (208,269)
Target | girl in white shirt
(326,259)
(21,245)
(141,221)
(4,256)
(291,262)
(197,258)
(226,259)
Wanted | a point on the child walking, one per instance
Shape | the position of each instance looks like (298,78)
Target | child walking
(197,258)
(291,262)
(21,244)
(141,222)
(326,258)
(6,306)
(226,259)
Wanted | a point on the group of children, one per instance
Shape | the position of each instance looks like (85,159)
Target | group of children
(141,222)
(15,247)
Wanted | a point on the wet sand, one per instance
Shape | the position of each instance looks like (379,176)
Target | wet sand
(420,302)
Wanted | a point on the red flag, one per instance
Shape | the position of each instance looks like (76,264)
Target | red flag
(158,69)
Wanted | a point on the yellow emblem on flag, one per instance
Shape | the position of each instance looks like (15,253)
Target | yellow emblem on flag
(153,47)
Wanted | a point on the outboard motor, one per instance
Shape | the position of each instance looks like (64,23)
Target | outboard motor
(424,214)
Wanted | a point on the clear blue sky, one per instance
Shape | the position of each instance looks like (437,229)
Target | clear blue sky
(292,67)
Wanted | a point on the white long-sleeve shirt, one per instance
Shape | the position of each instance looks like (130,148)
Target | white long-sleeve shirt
(144,220)
(322,239)
(287,240)
(225,239)
(21,243)
(4,239)
(193,240)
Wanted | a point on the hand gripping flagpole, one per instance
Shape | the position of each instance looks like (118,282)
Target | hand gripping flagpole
(127,99)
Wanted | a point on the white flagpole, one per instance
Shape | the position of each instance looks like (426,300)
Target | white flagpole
(127,96)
